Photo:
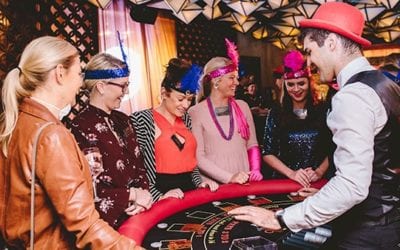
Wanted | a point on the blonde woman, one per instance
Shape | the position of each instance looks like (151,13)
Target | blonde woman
(122,188)
(224,129)
(38,91)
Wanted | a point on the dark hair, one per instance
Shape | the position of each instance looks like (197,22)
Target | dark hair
(175,70)
(287,104)
(320,35)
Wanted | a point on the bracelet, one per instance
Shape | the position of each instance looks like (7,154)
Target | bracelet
(279,216)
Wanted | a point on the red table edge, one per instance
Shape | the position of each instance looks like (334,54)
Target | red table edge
(137,226)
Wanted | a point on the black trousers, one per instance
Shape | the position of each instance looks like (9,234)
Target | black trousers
(166,182)
(379,234)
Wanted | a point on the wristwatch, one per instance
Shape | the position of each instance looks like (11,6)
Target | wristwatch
(279,216)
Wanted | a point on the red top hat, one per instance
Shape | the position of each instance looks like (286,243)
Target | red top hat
(341,18)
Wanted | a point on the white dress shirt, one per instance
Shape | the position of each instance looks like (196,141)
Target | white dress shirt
(357,116)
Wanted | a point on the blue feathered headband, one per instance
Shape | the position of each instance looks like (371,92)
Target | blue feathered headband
(110,73)
(190,82)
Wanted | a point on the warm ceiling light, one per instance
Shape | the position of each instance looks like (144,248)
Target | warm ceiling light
(211,12)
(261,32)
(307,8)
(389,35)
(139,1)
(190,12)
(245,8)
(279,44)
(212,3)
(389,3)
(176,5)
(276,4)
(101,3)
(268,14)
(292,19)
(370,11)
(389,19)
(243,24)
(286,29)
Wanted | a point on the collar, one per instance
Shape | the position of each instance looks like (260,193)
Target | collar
(357,65)
(34,108)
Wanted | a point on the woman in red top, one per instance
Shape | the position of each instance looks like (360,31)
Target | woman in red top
(164,136)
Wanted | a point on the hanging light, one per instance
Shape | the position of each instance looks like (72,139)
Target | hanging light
(307,8)
(212,3)
(190,12)
(389,4)
(261,32)
(389,35)
(211,12)
(176,5)
(101,3)
(276,4)
(370,11)
(243,23)
(389,19)
(287,29)
(292,19)
(245,8)
(139,1)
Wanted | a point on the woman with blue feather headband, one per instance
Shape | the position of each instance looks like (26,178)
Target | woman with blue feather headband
(164,135)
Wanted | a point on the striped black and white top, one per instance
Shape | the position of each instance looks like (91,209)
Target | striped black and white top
(143,122)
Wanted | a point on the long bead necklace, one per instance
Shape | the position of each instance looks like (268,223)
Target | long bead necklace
(214,117)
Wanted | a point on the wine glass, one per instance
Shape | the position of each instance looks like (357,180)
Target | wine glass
(93,157)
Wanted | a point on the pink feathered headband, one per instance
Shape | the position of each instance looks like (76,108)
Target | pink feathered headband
(294,63)
(233,55)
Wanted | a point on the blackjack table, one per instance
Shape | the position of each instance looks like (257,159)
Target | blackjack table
(200,219)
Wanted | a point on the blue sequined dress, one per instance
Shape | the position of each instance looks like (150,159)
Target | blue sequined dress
(298,143)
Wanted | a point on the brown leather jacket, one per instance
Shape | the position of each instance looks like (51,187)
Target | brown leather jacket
(65,216)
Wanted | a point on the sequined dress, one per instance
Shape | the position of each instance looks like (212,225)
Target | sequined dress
(298,143)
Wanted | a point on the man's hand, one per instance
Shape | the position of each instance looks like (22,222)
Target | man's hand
(259,216)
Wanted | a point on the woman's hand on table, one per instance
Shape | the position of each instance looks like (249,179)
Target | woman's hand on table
(259,216)
(212,185)
(301,176)
(313,175)
(133,209)
(240,178)
(173,193)
(143,198)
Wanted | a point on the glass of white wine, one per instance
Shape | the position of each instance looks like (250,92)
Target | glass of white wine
(95,161)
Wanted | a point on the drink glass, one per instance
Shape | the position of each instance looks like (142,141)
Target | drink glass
(95,161)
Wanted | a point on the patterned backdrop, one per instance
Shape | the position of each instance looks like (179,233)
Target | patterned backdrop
(202,40)
(74,20)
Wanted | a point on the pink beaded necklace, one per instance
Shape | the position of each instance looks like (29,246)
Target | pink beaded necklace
(214,117)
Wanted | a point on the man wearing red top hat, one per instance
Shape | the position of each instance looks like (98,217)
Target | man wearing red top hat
(363,197)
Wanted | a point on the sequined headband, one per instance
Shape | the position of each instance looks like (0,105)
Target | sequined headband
(106,73)
(297,74)
(222,71)
(110,73)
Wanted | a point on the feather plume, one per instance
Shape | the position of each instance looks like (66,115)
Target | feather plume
(190,81)
(293,60)
(232,52)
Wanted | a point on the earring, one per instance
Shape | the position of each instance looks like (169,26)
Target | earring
(216,85)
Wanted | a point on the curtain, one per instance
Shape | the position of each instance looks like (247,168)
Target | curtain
(148,48)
